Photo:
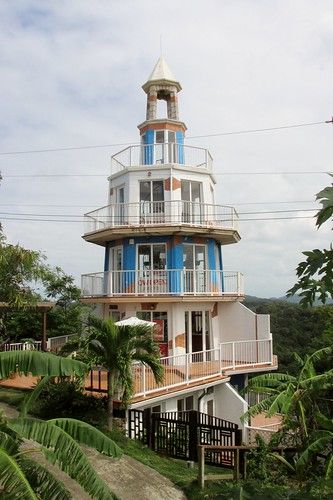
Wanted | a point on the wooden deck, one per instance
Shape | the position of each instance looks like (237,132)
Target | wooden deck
(177,378)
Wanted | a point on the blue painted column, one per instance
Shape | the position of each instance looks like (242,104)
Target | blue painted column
(180,146)
(148,153)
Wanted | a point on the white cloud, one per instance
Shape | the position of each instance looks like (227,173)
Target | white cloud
(71,75)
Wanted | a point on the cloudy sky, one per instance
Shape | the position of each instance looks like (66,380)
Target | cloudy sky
(71,75)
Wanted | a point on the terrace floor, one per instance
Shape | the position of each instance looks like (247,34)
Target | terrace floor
(176,379)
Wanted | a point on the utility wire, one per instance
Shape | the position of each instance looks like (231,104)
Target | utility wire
(169,219)
(300,172)
(81,221)
(218,134)
(94,205)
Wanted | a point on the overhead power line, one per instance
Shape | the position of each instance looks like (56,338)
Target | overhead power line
(25,219)
(300,172)
(171,219)
(96,204)
(218,134)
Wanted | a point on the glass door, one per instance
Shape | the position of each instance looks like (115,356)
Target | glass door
(194,263)
(120,208)
(116,261)
(152,275)
(151,202)
(197,330)
(192,202)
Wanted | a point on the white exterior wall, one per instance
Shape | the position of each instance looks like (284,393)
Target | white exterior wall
(170,404)
(228,404)
(233,322)
(131,178)
(237,322)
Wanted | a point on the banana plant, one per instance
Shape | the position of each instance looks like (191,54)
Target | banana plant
(22,476)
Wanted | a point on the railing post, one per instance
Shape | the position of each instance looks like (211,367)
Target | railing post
(194,439)
(143,379)
(186,366)
(147,426)
(271,351)
(201,466)
(220,355)
(233,356)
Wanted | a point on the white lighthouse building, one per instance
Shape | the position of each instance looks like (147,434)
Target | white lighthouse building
(163,235)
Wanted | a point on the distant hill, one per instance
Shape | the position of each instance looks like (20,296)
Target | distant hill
(295,299)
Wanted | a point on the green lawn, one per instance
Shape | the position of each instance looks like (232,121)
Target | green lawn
(12,397)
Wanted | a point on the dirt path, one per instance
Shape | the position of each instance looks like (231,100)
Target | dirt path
(126,477)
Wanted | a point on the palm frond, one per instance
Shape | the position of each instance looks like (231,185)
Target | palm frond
(153,363)
(13,479)
(8,443)
(281,459)
(322,439)
(39,364)
(270,380)
(261,407)
(324,422)
(87,434)
(44,484)
(70,458)
(329,469)
(320,382)
(32,397)
(281,403)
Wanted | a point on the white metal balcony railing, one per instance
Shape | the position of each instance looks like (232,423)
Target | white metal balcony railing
(159,154)
(198,366)
(52,344)
(23,346)
(162,282)
(148,213)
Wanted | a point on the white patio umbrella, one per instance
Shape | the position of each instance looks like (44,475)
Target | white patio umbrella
(134,321)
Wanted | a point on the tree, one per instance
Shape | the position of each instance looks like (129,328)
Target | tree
(67,317)
(21,272)
(300,399)
(315,274)
(115,348)
(24,478)
(296,328)
(19,269)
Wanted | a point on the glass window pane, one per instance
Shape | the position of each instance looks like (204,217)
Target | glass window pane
(161,319)
(196,192)
(158,191)
(160,136)
(188,256)
(145,190)
(199,257)
(144,253)
(159,256)
(145,315)
(189,403)
(171,136)
(185,191)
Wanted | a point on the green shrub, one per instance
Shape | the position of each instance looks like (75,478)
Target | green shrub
(65,398)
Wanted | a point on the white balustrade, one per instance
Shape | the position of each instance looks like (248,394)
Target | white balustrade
(186,368)
(161,213)
(23,346)
(161,154)
(162,282)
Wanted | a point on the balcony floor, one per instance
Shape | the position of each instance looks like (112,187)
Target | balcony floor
(119,299)
(102,236)
(171,375)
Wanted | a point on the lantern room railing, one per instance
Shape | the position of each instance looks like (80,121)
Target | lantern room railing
(162,282)
(161,213)
(159,154)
